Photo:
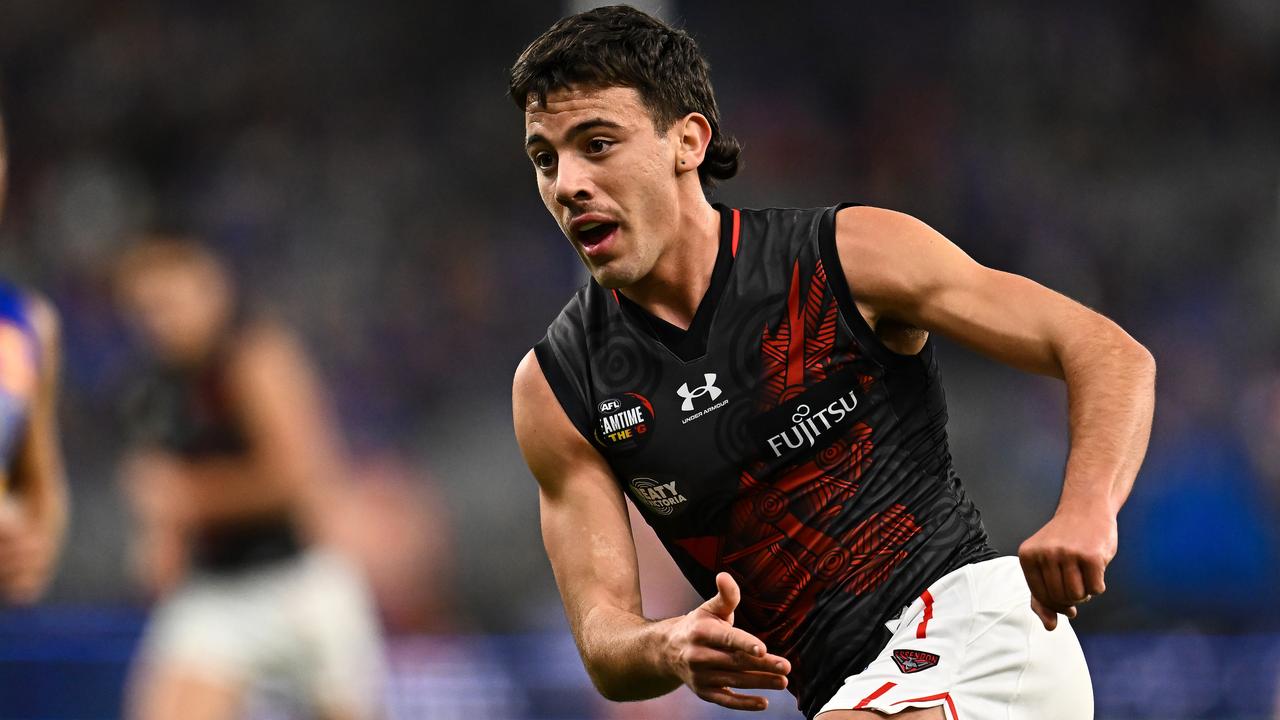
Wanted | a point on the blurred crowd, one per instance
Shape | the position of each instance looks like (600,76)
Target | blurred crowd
(360,168)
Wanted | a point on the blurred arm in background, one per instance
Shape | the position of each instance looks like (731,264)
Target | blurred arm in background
(33,518)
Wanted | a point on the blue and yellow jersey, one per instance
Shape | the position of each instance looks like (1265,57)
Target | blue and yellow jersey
(19,369)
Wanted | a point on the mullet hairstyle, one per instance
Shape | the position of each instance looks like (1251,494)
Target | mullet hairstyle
(619,46)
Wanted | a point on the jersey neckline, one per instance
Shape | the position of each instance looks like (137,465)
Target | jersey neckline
(691,344)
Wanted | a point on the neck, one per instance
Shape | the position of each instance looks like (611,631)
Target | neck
(679,279)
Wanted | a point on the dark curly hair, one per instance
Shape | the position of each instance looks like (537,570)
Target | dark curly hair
(619,46)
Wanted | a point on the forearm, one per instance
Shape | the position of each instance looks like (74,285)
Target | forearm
(47,510)
(625,654)
(1111,396)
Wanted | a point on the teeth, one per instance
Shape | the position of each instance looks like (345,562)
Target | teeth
(589,226)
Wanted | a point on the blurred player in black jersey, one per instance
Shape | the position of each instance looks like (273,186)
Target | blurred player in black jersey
(762,385)
(233,477)
(33,495)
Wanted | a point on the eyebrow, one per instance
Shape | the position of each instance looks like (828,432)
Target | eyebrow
(575,131)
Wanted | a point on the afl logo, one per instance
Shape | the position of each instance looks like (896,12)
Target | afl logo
(624,422)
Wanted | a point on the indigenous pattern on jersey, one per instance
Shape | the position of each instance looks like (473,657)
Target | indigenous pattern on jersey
(777,440)
(19,369)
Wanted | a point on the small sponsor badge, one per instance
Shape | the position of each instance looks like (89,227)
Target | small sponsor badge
(624,422)
(913,661)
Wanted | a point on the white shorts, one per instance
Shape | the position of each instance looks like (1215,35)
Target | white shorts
(303,626)
(972,645)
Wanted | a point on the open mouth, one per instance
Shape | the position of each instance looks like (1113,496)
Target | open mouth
(593,233)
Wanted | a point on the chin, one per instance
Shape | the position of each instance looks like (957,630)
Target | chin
(613,278)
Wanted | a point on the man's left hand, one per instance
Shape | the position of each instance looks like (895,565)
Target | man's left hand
(1065,561)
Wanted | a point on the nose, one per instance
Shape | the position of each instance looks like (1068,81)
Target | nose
(573,182)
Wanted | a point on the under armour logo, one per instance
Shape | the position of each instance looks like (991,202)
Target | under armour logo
(708,389)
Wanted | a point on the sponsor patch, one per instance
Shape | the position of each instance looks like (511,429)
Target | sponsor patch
(663,498)
(708,390)
(913,661)
(624,422)
(804,425)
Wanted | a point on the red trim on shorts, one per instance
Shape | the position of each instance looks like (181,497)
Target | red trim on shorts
(928,614)
(943,696)
(736,225)
(883,689)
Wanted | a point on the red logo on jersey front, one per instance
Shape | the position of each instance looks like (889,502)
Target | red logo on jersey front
(913,661)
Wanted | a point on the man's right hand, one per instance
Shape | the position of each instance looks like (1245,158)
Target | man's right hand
(711,656)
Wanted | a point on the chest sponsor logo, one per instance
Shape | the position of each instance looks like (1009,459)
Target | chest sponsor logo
(661,497)
(811,421)
(708,390)
(624,422)
(689,395)
(913,661)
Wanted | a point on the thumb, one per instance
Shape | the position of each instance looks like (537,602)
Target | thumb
(726,600)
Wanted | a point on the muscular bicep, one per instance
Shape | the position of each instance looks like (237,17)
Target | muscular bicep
(902,270)
(585,526)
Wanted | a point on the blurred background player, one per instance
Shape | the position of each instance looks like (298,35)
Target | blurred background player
(33,496)
(233,477)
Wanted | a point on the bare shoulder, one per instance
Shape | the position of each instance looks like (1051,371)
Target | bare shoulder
(267,343)
(533,407)
(876,235)
(861,221)
(528,376)
(552,447)
(893,260)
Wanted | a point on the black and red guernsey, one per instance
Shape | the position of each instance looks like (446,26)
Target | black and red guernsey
(777,440)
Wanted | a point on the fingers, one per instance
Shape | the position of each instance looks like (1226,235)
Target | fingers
(708,659)
(1094,584)
(1045,582)
(729,638)
(732,700)
(726,599)
(1047,616)
(743,680)
(1072,583)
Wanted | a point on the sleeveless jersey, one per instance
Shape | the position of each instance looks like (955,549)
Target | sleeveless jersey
(19,368)
(777,440)
(189,411)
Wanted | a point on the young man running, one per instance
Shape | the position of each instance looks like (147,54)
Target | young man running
(762,384)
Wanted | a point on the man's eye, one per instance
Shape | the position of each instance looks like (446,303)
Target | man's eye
(598,145)
(544,160)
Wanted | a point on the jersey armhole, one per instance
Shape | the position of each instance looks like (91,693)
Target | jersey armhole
(865,335)
(574,407)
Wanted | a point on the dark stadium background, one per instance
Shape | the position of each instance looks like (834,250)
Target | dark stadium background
(360,167)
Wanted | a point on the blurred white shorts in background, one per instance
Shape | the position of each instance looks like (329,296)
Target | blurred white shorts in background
(304,626)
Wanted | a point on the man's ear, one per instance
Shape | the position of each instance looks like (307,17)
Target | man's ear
(693,135)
